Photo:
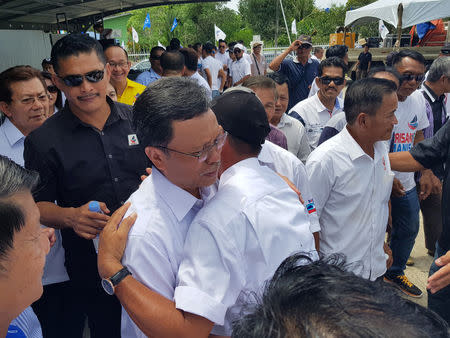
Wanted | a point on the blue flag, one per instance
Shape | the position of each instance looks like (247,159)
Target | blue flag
(175,24)
(147,23)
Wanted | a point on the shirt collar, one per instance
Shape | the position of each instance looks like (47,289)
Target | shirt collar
(251,162)
(296,60)
(177,199)
(13,134)
(284,121)
(353,148)
(154,74)
(320,107)
(264,155)
(430,93)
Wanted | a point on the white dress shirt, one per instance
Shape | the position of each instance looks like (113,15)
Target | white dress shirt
(352,191)
(284,163)
(239,69)
(214,67)
(11,146)
(237,241)
(155,244)
(223,58)
(315,116)
(202,82)
(297,140)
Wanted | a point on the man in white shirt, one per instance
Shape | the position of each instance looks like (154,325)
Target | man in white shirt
(162,318)
(316,111)
(213,69)
(317,54)
(412,119)
(294,130)
(24,101)
(240,69)
(190,69)
(222,56)
(351,179)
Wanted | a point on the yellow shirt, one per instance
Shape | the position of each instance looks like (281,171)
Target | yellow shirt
(131,92)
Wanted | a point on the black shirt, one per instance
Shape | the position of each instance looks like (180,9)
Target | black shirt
(77,163)
(364,59)
(430,153)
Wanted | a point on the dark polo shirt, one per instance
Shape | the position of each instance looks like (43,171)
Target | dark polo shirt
(78,163)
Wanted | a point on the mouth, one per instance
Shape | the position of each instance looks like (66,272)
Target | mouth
(88,98)
(211,173)
(38,117)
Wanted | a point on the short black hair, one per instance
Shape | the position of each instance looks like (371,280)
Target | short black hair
(279,78)
(366,96)
(190,58)
(196,45)
(321,299)
(74,45)
(175,44)
(58,102)
(164,101)
(208,47)
(332,62)
(336,50)
(385,69)
(172,61)
(221,40)
(13,179)
(154,50)
(407,53)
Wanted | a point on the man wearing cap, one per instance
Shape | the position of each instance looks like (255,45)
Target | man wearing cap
(300,71)
(259,65)
(240,69)
(363,63)
(236,229)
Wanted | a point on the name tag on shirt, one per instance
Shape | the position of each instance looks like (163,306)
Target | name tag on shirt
(133,140)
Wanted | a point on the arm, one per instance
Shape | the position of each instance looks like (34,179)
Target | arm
(154,314)
(208,76)
(403,161)
(368,66)
(241,80)
(304,149)
(223,78)
(275,64)
(441,278)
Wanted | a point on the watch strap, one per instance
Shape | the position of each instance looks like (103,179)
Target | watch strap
(119,276)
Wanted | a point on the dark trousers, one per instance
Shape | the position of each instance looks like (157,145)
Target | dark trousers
(432,219)
(56,312)
(440,301)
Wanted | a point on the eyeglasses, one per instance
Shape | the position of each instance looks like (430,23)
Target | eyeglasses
(222,46)
(326,80)
(76,80)
(409,77)
(52,89)
(30,100)
(237,51)
(121,64)
(203,154)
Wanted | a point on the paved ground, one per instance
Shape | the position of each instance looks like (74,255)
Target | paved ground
(418,273)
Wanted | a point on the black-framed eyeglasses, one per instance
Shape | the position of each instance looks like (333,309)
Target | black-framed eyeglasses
(76,80)
(52,89)
(409,77)
(326,80)
(202,155)
(237,51)
(222,46)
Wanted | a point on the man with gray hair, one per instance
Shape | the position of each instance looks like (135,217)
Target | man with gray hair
(317,54)
(434,89)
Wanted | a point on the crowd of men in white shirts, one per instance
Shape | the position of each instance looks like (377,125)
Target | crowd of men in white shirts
(252,173)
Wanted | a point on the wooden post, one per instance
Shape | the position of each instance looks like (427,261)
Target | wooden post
(399,24)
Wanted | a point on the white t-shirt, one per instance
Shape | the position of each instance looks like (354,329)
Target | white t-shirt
(214,67)
(202,82)
(239,69)
(411,115)
(223,58)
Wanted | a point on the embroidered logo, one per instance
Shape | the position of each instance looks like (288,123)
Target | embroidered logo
(413,124)
(133,140)
(384,163)
(310,206)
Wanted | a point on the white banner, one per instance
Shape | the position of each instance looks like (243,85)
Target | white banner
(294,28)
(219,34)
(135,35)
(382,29)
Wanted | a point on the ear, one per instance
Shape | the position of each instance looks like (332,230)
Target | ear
(107,71)
(4,107)
(157,157)
(129,64)
(362,120)
(317,81)
(58,82)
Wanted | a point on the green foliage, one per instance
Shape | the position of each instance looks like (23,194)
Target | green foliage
(353,4)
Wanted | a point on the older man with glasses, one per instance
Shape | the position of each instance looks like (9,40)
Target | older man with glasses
(127,90)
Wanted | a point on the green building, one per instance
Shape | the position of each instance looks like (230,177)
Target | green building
(118,23)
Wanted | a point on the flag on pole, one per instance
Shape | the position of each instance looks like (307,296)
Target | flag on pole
(147,23)
(175,24)
(135,35)
(161,45)
(382,29)
(294,27)
(219,34)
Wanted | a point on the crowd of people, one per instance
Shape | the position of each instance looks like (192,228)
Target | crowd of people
(222,194)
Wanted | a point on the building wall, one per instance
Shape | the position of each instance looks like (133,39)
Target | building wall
(118,23)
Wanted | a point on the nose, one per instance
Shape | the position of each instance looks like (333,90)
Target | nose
(38,104)
(214,155)
(85,86)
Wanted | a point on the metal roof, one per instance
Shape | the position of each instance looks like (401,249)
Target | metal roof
(70,15)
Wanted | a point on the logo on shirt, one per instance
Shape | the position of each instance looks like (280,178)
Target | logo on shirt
(310,206)
(413,124)
(384,163)
(133,140)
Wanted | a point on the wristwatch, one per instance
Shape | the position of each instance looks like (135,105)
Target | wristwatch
(109,284)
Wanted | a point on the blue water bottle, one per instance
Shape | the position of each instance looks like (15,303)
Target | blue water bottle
(94,206)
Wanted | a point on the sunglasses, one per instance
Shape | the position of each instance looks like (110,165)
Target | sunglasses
(409,77)
(223,46)
(76,80)
(327,80)
(237,51)
(305,46)
(52,89)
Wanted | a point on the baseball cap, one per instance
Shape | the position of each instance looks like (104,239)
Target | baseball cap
(238,46)
(305,39)
(242,115)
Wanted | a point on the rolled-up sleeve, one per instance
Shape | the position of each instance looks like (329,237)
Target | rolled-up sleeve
(211,275)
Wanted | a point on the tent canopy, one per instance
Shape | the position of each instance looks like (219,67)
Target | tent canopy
(414,12)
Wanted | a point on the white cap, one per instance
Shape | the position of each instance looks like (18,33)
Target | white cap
(239,46)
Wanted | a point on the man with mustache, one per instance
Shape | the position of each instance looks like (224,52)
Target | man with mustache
(87,152)
(316,111)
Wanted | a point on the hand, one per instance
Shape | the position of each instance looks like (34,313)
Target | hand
(429,183)
(50,234)
(441,278)
(388,251)
(113,240)
(294,45)
(88,224)
(293,187)
(397,189)
(149,172)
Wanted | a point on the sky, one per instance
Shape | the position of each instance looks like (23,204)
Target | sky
(234,4)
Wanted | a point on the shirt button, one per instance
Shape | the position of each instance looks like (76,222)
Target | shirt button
(102,133)
(109,156)
(116,179)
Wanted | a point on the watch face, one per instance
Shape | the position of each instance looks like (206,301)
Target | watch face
(108,287)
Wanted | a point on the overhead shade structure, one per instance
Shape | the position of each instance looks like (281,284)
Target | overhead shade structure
(414,12)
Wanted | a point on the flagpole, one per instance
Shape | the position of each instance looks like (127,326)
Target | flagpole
(285,22)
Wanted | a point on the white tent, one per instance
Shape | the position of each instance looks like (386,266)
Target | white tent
(414,12)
